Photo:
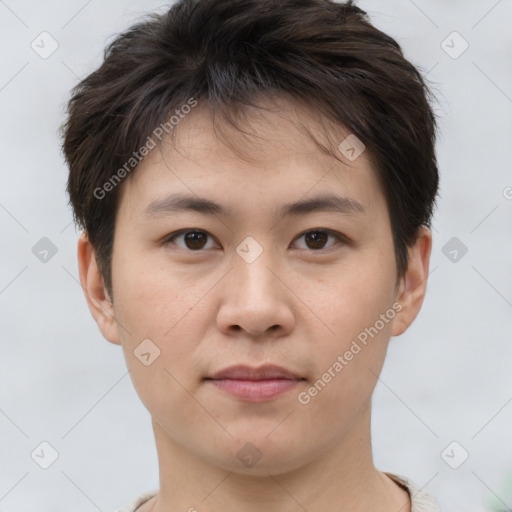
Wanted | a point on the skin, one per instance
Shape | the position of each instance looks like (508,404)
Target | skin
(300,305)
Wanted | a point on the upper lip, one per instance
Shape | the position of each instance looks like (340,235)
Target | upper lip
(243,372)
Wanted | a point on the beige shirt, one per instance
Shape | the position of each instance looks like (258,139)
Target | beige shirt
(421,501)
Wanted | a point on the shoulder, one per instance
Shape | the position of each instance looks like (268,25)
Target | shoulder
(421,501)
(137,502)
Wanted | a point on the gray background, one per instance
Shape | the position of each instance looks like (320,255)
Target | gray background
(448,378)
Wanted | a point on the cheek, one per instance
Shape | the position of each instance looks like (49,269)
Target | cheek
(159,340)
(353,300)
(148,300)
(157,330)
(357,308)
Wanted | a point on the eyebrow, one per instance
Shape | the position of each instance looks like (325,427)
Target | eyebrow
(178,203)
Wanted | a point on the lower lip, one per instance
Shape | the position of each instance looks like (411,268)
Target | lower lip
(255,390)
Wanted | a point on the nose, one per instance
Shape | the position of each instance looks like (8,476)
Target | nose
(256,300)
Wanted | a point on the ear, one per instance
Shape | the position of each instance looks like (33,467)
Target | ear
(95,292)
(413,285)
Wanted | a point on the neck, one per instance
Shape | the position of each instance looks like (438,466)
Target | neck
(342,478)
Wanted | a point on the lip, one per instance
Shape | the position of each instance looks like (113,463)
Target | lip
(265,372)
(255,384)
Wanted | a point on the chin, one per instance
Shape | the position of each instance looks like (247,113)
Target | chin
(268,465)
(257,453)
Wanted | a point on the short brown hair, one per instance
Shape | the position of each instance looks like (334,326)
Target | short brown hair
(228,52)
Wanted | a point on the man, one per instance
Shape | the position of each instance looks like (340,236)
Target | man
(255,182)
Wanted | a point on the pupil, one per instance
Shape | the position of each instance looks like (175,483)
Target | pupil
(318,238)
(314,240)
(193,240)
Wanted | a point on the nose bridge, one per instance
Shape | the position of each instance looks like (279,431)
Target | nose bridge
(254,279)
(254,297)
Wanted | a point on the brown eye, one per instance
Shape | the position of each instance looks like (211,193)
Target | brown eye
(193,240)
(316,239)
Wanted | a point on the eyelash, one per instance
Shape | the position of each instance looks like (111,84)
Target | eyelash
(340,238)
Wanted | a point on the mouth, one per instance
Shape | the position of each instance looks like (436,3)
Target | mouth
(255,384)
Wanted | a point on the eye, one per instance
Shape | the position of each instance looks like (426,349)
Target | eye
(193,239)
(197,240)
(316,239)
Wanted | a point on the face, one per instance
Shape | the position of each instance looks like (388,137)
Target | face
(289,263)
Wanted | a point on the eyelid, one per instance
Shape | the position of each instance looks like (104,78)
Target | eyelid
(168,239)
(339,236)
(336,234)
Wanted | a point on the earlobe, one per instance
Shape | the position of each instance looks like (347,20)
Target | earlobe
(414,283)
(95,292)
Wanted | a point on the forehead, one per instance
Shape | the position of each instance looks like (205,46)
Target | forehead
(276,127)
(270,156)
